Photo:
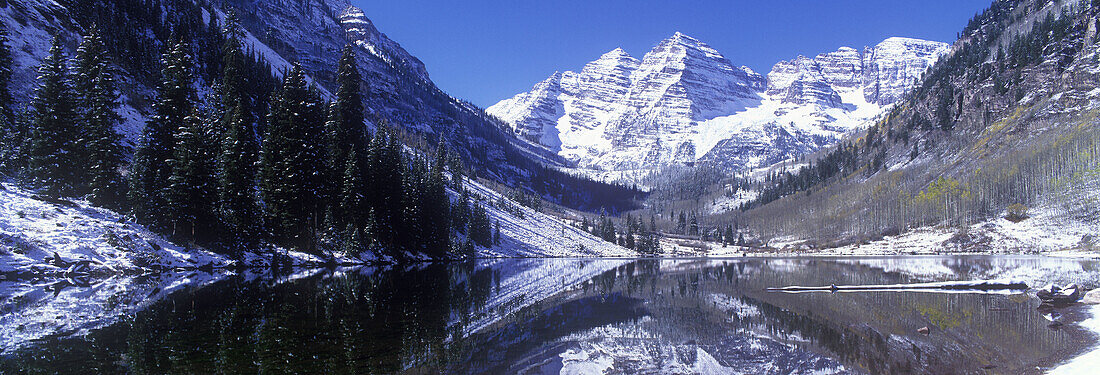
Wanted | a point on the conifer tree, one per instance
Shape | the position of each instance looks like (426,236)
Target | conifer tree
(385,193)
(239,213)
(54,131)
(496,233)
(460,215)
(346,136)
(292,163)
(352,201)
(10,137)
(192,193)
(151,170)
(436,211)
(100,145)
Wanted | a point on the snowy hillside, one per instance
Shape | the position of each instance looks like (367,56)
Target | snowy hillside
(90,240)
(528,233)
(684,102)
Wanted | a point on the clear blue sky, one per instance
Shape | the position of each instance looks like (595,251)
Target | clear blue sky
(487,50)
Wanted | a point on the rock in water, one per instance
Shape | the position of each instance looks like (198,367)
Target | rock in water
(1051,294)
(924,330)
(1092,297)
(1046,293)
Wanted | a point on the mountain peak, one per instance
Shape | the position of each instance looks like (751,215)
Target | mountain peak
(616,54)
(681,38)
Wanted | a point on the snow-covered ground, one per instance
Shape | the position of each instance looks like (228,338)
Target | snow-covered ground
(1048,231)
(32,230)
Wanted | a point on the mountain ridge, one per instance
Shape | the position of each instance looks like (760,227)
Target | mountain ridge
(620,115)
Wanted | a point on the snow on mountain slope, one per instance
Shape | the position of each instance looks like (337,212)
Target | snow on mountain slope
(529,233)
(684,103)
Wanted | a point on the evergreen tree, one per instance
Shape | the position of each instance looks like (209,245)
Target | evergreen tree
(100,145)
(436,212)
(239,213)
(351,194)
(385,192)
(346,136)
(54,132)
(292,169)
(728,239)
(192,194)
(628,238)
(480,229)
(460,215)
(496,233)
(10,136)
(151,170)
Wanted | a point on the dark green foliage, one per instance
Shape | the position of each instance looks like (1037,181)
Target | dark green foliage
(238,210)
(385,194)
(293,164)
(480,230)
(11,137)
(192,190)
(496,233)
(100,144)
(435,212)
(151,170)
(53,150)
(605,229)
(840,161)
(346,144)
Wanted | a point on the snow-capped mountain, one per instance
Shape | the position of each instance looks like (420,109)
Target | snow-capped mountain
(684,102)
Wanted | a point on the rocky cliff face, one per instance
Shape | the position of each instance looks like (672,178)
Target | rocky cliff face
(685,103)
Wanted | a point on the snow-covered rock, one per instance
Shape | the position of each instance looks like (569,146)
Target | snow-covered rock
(685,103)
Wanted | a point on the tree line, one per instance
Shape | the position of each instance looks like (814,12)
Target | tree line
(232,174)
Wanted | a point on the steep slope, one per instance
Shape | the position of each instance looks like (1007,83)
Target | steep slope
(996,147)
(685,103)
(398,90)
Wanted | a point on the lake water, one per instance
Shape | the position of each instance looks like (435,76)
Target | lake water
(543,316)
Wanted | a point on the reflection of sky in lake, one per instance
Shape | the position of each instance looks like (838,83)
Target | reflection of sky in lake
(555,316)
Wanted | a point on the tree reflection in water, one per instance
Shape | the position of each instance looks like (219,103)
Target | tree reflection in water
(637,316)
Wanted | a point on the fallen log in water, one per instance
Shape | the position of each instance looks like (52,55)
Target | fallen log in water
(983,285)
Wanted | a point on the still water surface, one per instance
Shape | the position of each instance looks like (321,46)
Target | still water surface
(540,316)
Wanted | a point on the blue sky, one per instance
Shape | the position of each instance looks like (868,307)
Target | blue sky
(487,50)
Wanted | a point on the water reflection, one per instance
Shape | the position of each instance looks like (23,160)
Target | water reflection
(581,315)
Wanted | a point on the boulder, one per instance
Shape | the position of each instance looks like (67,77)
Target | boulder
(1092,297)
(924,330)
(1046,293)
(1060,296)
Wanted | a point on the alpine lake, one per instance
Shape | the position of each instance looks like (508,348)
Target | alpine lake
(550,316)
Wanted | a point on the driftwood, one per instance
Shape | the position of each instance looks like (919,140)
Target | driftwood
(983,285)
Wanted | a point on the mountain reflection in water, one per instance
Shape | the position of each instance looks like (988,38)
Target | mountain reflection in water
(582,315)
